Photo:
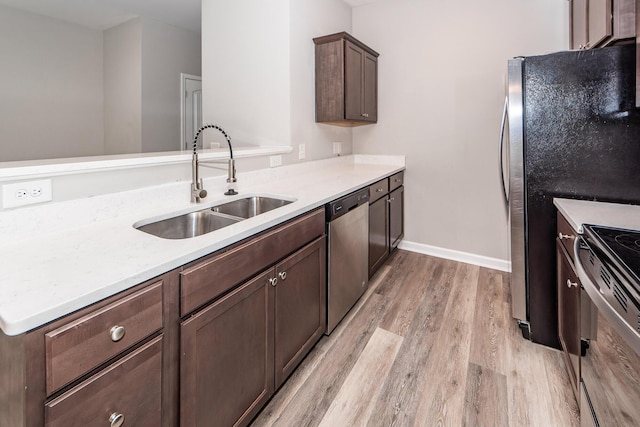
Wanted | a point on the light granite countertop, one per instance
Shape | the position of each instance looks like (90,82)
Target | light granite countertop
(60,257)
(579,212)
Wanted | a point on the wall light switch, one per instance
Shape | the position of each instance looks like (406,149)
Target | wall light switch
(301,152)
(26,193)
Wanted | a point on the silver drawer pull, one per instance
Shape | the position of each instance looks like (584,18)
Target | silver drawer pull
(379,190)
(391,199)
(283,275)
(571,284)
(565,236)
(397,180)
(117,333)
(116,420)
(273,281)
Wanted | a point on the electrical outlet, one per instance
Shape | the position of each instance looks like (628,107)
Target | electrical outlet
(215,145)
(301,152)
(26,193)
(275,161)
(337,148)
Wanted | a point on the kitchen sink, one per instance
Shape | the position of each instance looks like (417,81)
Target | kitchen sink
(188,225)
(210,219)
(250,206)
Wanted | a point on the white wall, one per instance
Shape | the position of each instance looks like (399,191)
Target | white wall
(442,71)
(245,69)
(258,72)
(123,88)
(167,51)
(309,19)
(50,88)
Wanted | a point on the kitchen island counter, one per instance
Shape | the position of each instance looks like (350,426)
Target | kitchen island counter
(61,257)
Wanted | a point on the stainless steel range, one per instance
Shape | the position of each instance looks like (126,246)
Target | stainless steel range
(608,264)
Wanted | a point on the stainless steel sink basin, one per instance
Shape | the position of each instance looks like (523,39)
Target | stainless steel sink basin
(210,219)
(250,206)
(188,225)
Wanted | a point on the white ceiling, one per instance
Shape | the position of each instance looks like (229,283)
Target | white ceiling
(356,3)
(103,14)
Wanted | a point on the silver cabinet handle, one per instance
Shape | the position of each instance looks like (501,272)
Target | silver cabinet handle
(283,275)
(571,284)
(116,420)
(117,333)
(397,180)
(565,236)
(273,281)
(379,190)
(391,199)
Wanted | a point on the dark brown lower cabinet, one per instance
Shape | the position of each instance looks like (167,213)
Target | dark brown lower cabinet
(386,224)
(227,357)
(396,217)
(378,234)
(569,315)
(300,307)
(239,349)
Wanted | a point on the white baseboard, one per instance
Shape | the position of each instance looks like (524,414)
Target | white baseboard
(480,260)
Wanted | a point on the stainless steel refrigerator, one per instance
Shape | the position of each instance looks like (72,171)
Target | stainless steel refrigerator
(570,130)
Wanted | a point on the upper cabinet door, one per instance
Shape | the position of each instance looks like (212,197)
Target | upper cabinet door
(353,76)
(599,21)
(346,81)
(370,85)
(578,24)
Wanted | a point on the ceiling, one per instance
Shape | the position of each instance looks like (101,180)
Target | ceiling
(356,3)
(103,14)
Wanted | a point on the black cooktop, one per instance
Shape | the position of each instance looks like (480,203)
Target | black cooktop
(622,245)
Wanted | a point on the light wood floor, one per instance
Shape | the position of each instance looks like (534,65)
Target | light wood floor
(431,343)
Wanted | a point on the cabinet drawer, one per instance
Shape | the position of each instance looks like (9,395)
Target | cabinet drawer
(85,343)
(379,189)
(209,279)
(566,235)
(130,387)
(396,180)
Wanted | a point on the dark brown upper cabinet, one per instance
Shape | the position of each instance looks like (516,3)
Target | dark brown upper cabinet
(346,81)
(598,23)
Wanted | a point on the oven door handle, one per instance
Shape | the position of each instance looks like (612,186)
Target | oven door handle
(597,296)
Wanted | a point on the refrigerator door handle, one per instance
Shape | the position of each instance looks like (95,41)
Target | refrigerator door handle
(505,116)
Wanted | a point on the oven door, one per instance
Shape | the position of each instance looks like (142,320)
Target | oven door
(610,366)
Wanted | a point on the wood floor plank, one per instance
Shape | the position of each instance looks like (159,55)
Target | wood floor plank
(462,299)
(486,392)
(400,397)
(442,401)
(403,305)
(365,379)
(488,342)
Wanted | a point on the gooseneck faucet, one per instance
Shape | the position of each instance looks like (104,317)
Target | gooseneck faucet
(197,189)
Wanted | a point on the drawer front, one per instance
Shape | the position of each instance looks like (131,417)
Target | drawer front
(396,180)
(81,345)
(203,282)
(566,235)
(130,389)
(379,189)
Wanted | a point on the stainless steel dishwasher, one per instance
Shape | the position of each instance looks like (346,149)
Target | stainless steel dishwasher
(348,254)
